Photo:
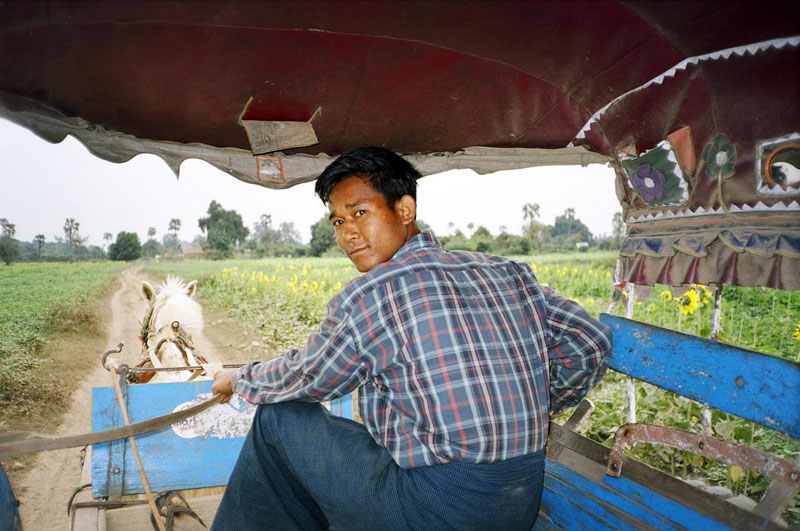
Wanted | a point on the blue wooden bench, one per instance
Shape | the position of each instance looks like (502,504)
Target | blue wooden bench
(579,490)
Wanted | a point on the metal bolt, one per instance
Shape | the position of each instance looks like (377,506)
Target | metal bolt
(793,476)
(614,466)
(739,381)
(115,470)
(701,444)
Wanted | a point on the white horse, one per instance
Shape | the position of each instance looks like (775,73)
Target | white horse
(172,317)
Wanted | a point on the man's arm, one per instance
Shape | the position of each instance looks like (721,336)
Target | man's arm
(577,346)
(328,366)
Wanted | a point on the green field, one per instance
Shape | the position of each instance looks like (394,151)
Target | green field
(282,300)
(37,300)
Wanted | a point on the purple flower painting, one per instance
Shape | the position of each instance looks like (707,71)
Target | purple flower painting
(649,183)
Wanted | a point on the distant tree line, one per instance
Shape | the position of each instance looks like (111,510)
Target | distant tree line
(224,235)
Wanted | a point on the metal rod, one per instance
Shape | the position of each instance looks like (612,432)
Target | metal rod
(138,370)
(711,447)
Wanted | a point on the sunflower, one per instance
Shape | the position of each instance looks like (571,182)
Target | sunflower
(689,302)
(666,296)
(796,333)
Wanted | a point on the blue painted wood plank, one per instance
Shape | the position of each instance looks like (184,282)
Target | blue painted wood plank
(343,407)
(749,384)
(196,453)
(572,501)
(116,460)
(199,452)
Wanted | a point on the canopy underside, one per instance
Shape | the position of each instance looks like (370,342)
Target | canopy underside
(695,105)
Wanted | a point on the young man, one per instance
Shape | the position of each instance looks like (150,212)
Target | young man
(458,358)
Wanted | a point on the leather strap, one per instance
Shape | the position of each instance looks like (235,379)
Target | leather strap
(14,444)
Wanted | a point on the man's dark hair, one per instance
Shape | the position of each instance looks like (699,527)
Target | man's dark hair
(389,174)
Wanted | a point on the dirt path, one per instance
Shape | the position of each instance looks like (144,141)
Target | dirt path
(44,485)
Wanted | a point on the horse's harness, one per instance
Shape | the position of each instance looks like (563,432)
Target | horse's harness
(181,340)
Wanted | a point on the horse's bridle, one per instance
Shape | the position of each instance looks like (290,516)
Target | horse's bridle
(181,340)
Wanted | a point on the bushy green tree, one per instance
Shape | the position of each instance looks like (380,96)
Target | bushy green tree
(323,237)
(533,229)
(459,242)
(9,250)
(151,249)
(512,245)
(567,230)
(224,230)
(9,247)
(126,248)
(482,239)
(267,241)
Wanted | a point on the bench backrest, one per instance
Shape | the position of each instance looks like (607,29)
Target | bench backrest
(745,383)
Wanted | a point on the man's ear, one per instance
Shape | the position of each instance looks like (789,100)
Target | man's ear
(406,208)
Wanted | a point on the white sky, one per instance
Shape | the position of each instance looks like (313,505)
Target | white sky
(43,184)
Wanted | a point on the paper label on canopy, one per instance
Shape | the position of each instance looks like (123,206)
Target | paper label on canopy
(224,421)
(266,137)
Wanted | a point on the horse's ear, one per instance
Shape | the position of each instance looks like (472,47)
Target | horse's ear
(148,292)
(191,287)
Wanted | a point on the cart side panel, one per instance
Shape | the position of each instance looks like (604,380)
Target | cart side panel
(742,382)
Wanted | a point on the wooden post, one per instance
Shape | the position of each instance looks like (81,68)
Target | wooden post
(630,386)
(715,326)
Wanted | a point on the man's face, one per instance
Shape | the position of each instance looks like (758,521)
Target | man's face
(368,230)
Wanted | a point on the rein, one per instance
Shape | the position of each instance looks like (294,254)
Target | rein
(14,444)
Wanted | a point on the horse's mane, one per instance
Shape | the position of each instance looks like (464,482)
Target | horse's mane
(172,286)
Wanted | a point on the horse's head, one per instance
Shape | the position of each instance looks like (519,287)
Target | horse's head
(164,305)
(171,317)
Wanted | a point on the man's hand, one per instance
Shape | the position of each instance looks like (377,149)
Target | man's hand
(223,384)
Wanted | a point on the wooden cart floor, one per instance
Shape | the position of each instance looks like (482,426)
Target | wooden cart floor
(137,517)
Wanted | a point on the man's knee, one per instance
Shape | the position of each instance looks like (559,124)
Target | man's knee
(272,419)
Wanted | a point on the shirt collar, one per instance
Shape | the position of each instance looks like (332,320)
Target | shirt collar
(423,240)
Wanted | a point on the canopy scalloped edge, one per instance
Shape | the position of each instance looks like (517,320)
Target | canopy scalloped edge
(721,265)
(114,146)
(763,243)
(753,48)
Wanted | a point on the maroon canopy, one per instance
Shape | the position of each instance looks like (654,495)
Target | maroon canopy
(694,103)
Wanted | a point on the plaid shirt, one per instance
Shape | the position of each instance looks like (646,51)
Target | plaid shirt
(450,351)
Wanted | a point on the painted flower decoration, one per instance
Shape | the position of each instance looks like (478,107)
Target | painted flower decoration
(719,156)
(649,183)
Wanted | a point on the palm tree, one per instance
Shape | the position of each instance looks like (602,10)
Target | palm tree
(151,232)
(570,215)
(108,237)
(530,211)
(174,225)
(39,239)
(71,228)
(9,229)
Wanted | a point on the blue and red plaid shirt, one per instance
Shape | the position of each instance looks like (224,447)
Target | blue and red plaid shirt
(456,355)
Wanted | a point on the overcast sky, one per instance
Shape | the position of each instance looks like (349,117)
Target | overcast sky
(43,184)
